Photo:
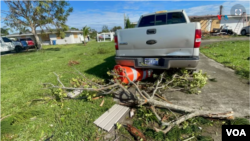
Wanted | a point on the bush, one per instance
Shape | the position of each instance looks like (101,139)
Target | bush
(239,121)
(174,134)
(102,51)
(204,138)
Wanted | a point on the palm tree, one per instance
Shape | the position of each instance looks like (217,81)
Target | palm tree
(23,30)
(85,31)
(5,30)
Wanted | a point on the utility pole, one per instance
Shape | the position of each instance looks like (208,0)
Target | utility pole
(221,9)
(124,20)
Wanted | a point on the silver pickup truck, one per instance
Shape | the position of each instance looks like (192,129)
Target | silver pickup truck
(161,40)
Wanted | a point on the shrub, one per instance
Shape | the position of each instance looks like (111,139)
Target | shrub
(102,51)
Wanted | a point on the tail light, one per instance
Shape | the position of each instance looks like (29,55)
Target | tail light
(116,43)
(197,38)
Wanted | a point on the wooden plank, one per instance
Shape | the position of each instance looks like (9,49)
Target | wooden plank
(105,115)
(116,118)
(107,120)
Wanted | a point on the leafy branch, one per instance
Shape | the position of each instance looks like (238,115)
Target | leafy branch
(147,93)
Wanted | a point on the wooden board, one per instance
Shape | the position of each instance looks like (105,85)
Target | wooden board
(107,120)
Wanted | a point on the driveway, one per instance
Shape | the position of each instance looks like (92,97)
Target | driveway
(230,92)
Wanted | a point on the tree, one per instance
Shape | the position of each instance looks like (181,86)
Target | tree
(23,29)
(73,28)
(128,23)
(85,31)
(93,33)
(4,31)
(49,14)
(115,28)
(105,28)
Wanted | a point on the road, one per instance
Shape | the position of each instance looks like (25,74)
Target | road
(228,93)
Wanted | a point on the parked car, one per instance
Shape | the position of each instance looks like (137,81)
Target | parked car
(29,42)
(9,45)
(245,30)
(161,40)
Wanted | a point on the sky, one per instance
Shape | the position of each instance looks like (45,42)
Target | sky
(95,14)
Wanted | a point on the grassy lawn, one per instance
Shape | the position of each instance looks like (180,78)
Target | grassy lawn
(233,54)
(207,37)
(21,78)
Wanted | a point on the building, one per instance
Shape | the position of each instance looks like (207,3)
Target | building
(211,22)
(103,37)
(71,37)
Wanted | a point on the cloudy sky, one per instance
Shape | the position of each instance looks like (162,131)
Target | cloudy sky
(98,13)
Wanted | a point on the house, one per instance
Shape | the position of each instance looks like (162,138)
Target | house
(230,22)
(211,22)
(102,37)
(71,37)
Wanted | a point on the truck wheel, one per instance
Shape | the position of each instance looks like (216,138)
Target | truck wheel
(18,49)
(243,32)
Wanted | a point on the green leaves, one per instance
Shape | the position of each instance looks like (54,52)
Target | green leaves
(146,115)
(190,83)
(118,125)
(85,31)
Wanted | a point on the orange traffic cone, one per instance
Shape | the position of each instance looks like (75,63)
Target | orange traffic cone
(133,74)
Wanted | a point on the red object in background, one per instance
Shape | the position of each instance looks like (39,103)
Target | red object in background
(133,74)
(219,17)
(29,41)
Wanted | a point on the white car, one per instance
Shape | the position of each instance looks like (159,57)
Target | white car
(9,45)
(245,30)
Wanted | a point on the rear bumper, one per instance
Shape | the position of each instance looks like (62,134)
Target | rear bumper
(164,63)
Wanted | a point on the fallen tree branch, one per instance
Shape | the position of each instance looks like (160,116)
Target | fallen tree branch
(157,85)
(87,89)
(58,79)
(5,117)
(163,98)
(195,114)
(146,95)
(157,116)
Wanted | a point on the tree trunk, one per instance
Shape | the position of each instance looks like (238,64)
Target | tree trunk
(84,40)
(38,44)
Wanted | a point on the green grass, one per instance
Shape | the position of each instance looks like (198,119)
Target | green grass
(233,54)
(21,78)
(207,37)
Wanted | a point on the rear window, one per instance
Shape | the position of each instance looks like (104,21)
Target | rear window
(161,19)
(22,39)
(29,39)
(174,18)
(147,21)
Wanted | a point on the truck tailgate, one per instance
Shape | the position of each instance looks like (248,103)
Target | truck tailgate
(168,40)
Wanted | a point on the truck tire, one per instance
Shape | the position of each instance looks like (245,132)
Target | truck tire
(18,49)
(243,32)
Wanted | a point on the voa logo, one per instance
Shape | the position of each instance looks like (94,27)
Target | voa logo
(236,132)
